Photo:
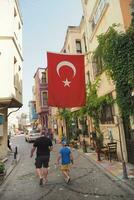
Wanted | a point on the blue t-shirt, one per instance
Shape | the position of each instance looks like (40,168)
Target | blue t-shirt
(65,155)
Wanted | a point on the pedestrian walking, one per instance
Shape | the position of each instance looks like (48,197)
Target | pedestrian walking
(8,143)
(43,146)
(66,157)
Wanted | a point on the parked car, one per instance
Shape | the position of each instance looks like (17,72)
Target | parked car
(32,135)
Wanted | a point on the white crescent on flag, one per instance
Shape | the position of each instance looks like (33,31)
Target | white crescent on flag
(65,63)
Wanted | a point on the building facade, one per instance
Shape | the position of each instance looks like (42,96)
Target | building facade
(41,96)
(99,15)
(75,43)
(10,63)
(33,116)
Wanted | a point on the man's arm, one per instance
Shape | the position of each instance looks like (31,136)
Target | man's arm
(50,145)
(32,151)
(51,148)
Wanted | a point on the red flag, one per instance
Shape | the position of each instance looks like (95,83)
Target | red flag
(66,80)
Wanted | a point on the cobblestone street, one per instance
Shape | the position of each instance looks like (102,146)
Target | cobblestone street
(87,180)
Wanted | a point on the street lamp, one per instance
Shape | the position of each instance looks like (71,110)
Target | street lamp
(117,122)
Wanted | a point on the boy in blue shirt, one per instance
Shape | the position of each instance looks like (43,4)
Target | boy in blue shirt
(66,157)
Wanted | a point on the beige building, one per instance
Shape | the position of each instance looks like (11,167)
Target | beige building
(10,64)
(75,44)
(98,16)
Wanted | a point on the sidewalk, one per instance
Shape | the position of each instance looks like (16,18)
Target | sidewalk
(113,168)
(10,164)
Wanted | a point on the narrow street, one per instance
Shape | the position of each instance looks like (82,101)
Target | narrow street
(88,181)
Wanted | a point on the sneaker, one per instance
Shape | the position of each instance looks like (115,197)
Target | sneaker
(68,179)
(46,180)
(41,181)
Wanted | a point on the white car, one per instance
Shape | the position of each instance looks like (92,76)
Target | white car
(32,135)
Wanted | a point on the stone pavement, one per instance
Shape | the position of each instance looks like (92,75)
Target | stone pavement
(113,169)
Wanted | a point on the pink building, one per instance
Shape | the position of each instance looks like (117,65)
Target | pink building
(41,95)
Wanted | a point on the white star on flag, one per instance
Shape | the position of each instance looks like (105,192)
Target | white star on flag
(66,83)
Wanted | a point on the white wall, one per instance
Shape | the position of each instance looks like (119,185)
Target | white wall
(10,47)
(7,69)
(6,18)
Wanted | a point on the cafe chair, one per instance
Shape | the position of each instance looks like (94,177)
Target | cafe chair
(112,151)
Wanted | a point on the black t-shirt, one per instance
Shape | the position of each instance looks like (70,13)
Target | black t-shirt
(43,144)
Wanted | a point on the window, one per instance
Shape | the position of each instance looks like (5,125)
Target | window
(98,13)
(19,68)
(15,13)
(85,44)
(68,48)
(93,24)
(15,72)
(43,78)
(106,116)
(15,60)
(78,46)
(97,65)
(19,26)
(85,1)
(44,98)
(107,113)
(88,76)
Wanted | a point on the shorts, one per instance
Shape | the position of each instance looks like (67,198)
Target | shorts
(65,167)
(42,161)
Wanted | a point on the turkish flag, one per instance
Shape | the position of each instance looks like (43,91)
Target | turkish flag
(66,80)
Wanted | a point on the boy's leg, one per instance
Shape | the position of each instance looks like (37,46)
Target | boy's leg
(65,173)
(68,178)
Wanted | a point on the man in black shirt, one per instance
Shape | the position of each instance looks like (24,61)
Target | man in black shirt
(43,146)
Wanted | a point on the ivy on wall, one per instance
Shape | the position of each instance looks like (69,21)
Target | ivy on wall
(117,51)
(67,116)
(94,104)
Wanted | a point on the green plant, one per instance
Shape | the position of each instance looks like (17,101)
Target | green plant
(117,50)
(94,104)
(67,116)
(2,167)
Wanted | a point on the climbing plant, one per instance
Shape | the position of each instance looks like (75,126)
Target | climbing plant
(67,116)
(117,51)
(94,104)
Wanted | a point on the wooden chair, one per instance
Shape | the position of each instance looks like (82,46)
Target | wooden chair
(104,151)
(112,150)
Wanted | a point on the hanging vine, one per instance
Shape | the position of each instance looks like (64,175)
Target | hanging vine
(117,51)
(94,104)
(67,116)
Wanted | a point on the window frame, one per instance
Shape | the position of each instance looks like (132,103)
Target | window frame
(43,98)
(43,79)
(78,48)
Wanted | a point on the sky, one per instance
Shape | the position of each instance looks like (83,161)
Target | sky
(45,24)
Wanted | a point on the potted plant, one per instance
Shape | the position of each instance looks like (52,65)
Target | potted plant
(2,170)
